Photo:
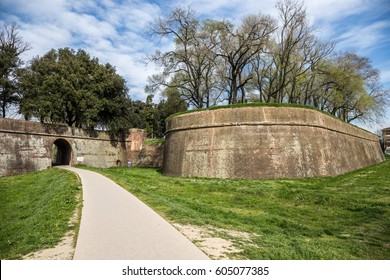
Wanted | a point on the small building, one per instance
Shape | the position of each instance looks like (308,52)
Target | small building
(386,139)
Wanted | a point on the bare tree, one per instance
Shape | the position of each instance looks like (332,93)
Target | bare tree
(11,47)
(189,67)
(237,47)
(216,61)
(294,55)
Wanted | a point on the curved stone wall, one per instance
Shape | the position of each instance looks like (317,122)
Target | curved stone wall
(265,142)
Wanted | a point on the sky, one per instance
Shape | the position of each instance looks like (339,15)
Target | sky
(116,31)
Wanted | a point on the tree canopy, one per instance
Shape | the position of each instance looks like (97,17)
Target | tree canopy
(264,59)
(214,62)
(11,47)
(68,86)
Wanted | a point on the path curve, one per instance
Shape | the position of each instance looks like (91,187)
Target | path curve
(115,225)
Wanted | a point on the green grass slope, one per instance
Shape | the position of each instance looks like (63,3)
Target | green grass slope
(343,217)
(35,209)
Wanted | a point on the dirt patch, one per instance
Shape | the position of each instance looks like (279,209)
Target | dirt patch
(218,244)
(63,251)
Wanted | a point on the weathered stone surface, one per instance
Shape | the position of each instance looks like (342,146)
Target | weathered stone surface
(151,155)
(134,144)
(29,146)
(386,140)
(265,142)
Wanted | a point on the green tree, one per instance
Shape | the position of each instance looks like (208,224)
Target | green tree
(170,104)
(65,86)
(11,48)
(351,89)
(135,110)
(215,61)
(148,115)
(153,116)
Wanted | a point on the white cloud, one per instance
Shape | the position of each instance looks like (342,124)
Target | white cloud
(35,10)
(332,10)
(131,67)
(232,10)
(385,76)
(85,25)
(364,37)
(114,31)
(110,30)
(43,38)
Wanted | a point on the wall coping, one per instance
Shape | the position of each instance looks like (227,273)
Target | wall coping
(14,126)
(264,116)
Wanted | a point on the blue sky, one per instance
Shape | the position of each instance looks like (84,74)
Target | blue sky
(115,31)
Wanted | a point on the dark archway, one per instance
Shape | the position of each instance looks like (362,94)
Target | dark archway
(61,153)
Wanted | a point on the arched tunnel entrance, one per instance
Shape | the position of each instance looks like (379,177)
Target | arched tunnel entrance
(61,152)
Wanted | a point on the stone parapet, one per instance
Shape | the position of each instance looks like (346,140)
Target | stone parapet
(30,146)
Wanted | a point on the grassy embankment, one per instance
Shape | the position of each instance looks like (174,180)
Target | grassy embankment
(35,209)
(343,217)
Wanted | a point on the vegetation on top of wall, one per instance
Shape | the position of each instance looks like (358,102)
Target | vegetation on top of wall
(261,104)
(250,104)
(281,60)
(154,141)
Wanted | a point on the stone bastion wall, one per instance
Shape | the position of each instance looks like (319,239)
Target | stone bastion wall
(265,142)
(30,146)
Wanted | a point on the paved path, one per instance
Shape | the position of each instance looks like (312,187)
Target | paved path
(115,225)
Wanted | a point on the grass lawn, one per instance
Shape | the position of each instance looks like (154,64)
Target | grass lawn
(343,217)
(35,209)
